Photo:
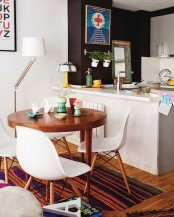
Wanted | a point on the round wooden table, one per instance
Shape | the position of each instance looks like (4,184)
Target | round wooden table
(88,120)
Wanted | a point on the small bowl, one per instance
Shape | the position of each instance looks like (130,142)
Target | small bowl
(153,84)
(60,116)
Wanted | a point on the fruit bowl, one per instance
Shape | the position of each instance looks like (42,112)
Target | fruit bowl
(60,116)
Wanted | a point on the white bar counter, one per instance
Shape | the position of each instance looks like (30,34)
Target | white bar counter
(150,138)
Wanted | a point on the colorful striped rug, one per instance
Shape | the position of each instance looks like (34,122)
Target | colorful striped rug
(108,191)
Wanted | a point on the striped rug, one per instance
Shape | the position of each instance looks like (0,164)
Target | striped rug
(108,191)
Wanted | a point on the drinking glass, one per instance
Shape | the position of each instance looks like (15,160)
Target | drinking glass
(71,101)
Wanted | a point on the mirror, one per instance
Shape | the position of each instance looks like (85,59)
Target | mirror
(122,58)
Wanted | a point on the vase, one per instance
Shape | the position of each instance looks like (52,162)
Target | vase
(94,63)
(61,107)
(77,111)
(106,63)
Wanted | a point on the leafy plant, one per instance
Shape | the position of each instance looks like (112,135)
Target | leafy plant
(107,56)
(96,55)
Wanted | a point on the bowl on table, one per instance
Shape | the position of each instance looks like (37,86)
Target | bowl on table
(60,116)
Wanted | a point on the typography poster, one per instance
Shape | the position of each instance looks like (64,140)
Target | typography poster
(7,25)
(98,22)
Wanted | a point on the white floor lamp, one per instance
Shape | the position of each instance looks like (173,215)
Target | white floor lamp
(32,47)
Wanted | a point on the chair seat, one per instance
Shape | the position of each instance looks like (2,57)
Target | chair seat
(101,144)
(73,168)
(59,135)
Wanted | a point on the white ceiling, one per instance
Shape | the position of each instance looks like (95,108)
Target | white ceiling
(146,5)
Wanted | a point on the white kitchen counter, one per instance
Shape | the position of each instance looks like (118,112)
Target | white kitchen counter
(108,91)
(150,136)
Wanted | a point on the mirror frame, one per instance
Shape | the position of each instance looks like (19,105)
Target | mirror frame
(127,52)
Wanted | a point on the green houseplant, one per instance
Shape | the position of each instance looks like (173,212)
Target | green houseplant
(107,57)
(96,56)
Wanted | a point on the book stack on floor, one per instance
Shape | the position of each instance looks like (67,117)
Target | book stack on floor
(74,207)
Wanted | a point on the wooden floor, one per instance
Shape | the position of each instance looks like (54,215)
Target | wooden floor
(164,182)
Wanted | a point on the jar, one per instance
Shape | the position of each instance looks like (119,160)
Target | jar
(61,107)
(77,111)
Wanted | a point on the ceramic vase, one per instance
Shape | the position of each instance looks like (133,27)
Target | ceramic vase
(106,63)
(94,63)
(61,107)
(77,111)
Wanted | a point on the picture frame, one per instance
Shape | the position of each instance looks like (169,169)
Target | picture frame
(8,25)
(97,25)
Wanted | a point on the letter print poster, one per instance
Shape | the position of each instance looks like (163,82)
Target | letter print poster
(7,25)
(98,21)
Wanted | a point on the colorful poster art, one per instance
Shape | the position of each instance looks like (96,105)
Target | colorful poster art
(7,25)
(98,22)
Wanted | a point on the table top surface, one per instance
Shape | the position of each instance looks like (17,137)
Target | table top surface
(90,118)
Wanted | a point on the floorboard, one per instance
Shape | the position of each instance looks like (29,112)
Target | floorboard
(164,182)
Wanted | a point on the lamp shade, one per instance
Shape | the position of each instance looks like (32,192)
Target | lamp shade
(33,46)
(66,67)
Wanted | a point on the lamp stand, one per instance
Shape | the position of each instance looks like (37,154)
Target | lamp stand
(66,85)
(23,74)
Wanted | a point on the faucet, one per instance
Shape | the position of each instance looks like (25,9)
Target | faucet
(118,78)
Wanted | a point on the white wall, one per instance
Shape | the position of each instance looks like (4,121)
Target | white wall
(151,66)
(167,63)
(41,18)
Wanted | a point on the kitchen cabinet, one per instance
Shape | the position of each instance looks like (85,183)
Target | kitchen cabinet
(162,35)
(149,145)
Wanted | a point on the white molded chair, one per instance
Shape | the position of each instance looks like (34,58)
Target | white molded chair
(38,157)
(7,148)
(57,137)
(111,145)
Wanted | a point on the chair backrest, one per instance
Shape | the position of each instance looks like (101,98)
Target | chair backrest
(99,131)
(37,155)
(53,100)
(122,133)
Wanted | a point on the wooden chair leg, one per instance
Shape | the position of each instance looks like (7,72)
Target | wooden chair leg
(28,183)
(47,189)
(123,171)
(51,192)
(92,168)
(76,190)
(6,169)
(67,147)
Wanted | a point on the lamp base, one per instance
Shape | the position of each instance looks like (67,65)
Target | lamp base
(66,85)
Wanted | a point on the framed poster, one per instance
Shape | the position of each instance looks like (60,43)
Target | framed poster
(98,25)
(7,25)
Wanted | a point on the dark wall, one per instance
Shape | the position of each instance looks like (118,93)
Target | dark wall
(74,39)
(133,27)
(125,25)
(76,43)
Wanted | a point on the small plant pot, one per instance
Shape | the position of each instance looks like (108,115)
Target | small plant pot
(94,63)
(106,63)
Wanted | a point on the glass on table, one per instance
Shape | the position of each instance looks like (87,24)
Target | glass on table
(71,101)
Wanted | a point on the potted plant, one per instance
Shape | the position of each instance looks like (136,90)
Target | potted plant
(96,56)
(77,106)
(107,58)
